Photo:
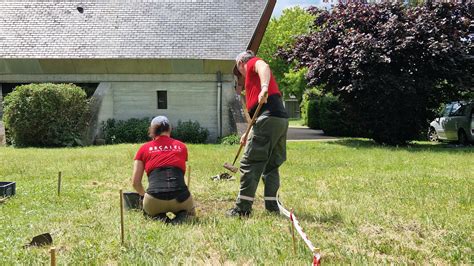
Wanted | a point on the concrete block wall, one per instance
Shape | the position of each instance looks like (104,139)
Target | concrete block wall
(187,100)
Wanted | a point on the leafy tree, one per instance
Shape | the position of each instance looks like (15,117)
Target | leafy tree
(391,65)
(282,32)
(294,82)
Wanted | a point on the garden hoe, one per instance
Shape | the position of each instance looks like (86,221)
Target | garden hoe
(231,167)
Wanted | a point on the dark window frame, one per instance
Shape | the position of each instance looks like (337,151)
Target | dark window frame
(162,99)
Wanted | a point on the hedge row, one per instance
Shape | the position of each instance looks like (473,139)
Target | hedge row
(136,131)
(326,112)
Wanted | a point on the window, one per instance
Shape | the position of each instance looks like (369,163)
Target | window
(447,109)
(162,99)
(458,109)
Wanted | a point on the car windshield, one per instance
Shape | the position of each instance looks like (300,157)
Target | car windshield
(447,109)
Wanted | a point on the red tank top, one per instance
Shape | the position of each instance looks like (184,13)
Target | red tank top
(161,152)
(252,84)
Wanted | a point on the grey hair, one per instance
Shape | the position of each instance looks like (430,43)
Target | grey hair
(244,57)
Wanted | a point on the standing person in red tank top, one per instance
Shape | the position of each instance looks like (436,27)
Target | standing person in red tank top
(265,149)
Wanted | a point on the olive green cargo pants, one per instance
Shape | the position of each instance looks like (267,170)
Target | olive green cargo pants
(264,153)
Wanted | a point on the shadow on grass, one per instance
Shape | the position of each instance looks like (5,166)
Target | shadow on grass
(412,147)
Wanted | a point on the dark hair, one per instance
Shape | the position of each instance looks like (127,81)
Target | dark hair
(156,130)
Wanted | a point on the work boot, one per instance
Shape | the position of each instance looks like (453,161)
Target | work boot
(181,217)
(273,211)
(272,206)
(236,212)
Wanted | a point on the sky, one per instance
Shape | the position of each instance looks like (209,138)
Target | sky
(282,4)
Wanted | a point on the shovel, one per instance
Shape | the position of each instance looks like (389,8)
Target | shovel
(231,167)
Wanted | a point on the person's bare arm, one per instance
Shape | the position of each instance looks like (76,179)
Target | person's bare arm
(264,73)
(138,169)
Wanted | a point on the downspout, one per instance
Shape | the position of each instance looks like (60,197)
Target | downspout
(219,103)
(2,127)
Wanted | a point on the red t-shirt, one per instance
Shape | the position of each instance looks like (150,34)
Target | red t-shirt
(252,84)
(161,152)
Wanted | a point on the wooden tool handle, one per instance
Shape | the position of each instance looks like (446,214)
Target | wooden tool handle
(121,218)
(249,126)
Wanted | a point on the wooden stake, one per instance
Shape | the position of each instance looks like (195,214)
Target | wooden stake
(52,251)
(189,175)
(59,183)
(121,217)
(293,233)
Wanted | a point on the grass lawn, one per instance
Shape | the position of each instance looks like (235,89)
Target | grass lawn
(359,202)
(296,122)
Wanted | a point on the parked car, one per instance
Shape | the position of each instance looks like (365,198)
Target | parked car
(456,123)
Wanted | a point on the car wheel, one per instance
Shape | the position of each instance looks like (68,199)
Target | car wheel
(462,138)
(432,135)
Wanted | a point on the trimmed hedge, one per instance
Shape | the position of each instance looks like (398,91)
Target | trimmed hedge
(133,130)
(310,110)
(190,132)
(326,112)
(313,119)
(46,115)
(334,118)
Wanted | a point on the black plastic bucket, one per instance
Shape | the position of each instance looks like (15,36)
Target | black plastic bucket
(132,201)
(7,189)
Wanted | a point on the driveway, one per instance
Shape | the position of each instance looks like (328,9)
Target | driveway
(305,133)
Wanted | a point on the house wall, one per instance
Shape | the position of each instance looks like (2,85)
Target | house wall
(124,96)
(127,87)
(190,100)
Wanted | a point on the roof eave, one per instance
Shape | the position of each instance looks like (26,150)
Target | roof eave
(257,37)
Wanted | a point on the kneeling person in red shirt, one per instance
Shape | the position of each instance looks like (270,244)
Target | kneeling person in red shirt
(164,160)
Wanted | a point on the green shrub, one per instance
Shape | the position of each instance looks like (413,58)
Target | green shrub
(326,112)
(46,115)
(230,139)
(337,120)
(391,64)
(190,132)
(133,130)
(313,114)
(332,116)
(310,100)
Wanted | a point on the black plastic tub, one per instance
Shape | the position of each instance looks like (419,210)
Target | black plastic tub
(132,201)
(7,189)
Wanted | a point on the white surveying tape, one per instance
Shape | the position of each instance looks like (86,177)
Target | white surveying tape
(296,224)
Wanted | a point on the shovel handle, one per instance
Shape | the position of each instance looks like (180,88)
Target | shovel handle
(249,126)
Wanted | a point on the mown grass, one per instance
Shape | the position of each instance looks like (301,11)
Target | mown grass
(359,202)
(298,122)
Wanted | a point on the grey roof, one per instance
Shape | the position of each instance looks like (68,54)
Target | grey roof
(194,29)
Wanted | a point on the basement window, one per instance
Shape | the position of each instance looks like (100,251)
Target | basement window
(162,99)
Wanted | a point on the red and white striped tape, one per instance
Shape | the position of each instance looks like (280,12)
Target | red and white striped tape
(299,229)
